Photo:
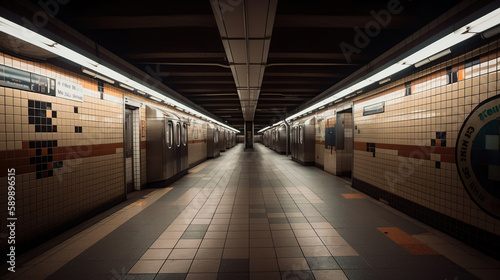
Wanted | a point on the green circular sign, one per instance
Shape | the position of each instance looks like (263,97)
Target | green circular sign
(478,155)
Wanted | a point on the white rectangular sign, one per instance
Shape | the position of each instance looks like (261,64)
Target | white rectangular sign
(69,90)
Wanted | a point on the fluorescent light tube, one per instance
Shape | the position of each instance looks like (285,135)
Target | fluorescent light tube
(126,87)
(97,76)
(155,98)
(384,81)
(141,92)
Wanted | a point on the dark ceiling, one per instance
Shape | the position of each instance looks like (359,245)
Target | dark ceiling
(159,36)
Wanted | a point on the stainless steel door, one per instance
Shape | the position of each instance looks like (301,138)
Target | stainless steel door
(184,147)
(129,150)
(169,148)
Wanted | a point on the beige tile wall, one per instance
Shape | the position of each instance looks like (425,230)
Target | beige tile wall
(433,107)
(87,179)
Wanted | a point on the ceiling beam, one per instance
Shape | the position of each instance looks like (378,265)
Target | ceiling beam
(150,21)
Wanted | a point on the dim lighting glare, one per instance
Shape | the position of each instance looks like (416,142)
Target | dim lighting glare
(437,49)
(99,71)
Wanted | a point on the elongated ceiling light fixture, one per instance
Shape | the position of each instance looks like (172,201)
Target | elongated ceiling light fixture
(92,67)
(437,49)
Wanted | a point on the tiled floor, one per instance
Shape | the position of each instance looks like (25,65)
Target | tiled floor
(258,215)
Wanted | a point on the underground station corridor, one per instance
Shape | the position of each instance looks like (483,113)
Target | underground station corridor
(249,139)
(256,215)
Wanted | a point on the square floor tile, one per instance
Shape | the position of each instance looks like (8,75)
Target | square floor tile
(277,234)
(182,254)
(235,253)
(234,276)
(232,265)
(309,241)
(334,241)
(217,228)
(297,274)
(237,243)
(327,232)
(261,243)
(215,235)
(201,276)
(201,222)
(329,275)
(352,262)
(164,244)
(171,235)
(321,225)
(305,233)
(158,254)
(262,253)
(220,222)
(205,266)
(296,226)
(320,263)
(254,215)
(278,220)
(286,264)
(188,244)
(239,227)
(342,250)
(259,227)
(150,276)
(238,234)
(260,234)
(146,266)
(276,215)
(263,265)
(197,227)
(170,276)
(212,243)
(268,275)
(280,226)
(285,242)
(209,253)
(193,235)
(315,251)
(176,266)
(289,252)
(297,220)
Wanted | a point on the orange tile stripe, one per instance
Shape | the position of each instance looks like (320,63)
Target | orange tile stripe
(353,196)
(409,243)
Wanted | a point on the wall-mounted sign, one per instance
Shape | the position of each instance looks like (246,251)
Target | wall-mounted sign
(376,108)
(478,155)
(14,78)
(43,85)
(69,90)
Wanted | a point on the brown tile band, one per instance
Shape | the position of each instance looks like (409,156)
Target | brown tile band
(320,142)
(414,151)
(20,159)
(143,145)
(197,141)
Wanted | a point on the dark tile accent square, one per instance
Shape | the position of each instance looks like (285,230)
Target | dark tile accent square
(43,105)
(233,276)
(258,215)
(433,142)
(38,152)
(441,135)
(202,228)
(443,143)
(38,128)
(39,175)
(31,103)
(31,120)
(278,220)
(193,235)
(37,104)
(54,143)
(318,263)
(51,173)
(32,144)
(32,160)
(54,114)
(351,263)
(297,274)
(170,276)
(438,164)
(76,109)
(49,106)
(76,129)
(233,265)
